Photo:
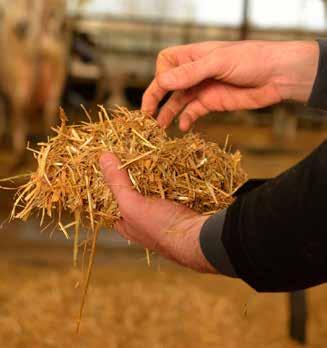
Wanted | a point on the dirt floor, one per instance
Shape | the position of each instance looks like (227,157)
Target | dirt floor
(132,305)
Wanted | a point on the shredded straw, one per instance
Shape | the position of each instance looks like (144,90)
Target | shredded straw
(187,170)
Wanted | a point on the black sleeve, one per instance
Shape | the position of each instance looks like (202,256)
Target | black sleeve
(318,98)
(276,235)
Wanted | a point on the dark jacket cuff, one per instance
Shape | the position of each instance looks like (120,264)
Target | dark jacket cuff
(212,246)
(318,98)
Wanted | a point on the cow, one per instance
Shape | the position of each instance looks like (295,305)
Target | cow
(34,43)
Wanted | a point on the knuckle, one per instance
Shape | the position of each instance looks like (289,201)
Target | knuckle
(150,94)
(169,112)
(185,69)
(192,114)
(167,57)
(163,56)
(163,53)
(107,168)
(189,115)
(153,95)
(178,98)
(166,53)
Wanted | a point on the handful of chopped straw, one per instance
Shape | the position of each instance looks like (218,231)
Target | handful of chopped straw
(187,170)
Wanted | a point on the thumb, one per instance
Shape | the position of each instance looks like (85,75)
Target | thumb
(189,74)
(117,179)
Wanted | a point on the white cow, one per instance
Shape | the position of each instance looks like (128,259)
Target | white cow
(34,43)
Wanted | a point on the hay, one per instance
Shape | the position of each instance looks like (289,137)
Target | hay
(186,170)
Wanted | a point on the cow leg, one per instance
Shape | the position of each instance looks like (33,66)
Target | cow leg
(102,84)
(3,121)
(51,107)
(50,114)
(19,131)
(117,88)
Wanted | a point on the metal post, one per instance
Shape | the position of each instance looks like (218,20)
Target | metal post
(245,25)
(298,316)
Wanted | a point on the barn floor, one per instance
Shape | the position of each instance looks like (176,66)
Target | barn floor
(132,305)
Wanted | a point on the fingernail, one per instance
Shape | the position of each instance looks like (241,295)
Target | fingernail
(146,110)
(184,125)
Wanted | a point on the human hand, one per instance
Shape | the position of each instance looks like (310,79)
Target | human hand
(229,76)
(159,225)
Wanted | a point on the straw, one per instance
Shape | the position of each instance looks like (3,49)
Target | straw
(187,170)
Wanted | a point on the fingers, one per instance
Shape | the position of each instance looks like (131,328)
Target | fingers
(172,76)
(174,106)
(182,67)
(152,97)
(191,113)
(154,93)
(188,75)
(181,78)
(117,180)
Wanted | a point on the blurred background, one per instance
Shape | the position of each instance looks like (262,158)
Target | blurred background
(57,52)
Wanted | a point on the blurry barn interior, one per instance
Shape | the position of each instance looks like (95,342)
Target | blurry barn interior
(56,52)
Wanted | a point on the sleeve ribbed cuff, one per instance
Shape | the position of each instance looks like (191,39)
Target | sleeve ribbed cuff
(318,98)
(212,245)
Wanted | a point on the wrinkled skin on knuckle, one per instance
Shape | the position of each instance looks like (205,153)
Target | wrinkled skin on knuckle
(165,57)
(150,100)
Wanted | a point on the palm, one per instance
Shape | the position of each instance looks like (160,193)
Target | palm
(163,226)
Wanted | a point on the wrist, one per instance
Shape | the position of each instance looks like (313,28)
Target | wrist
(295,69)
(184,248)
